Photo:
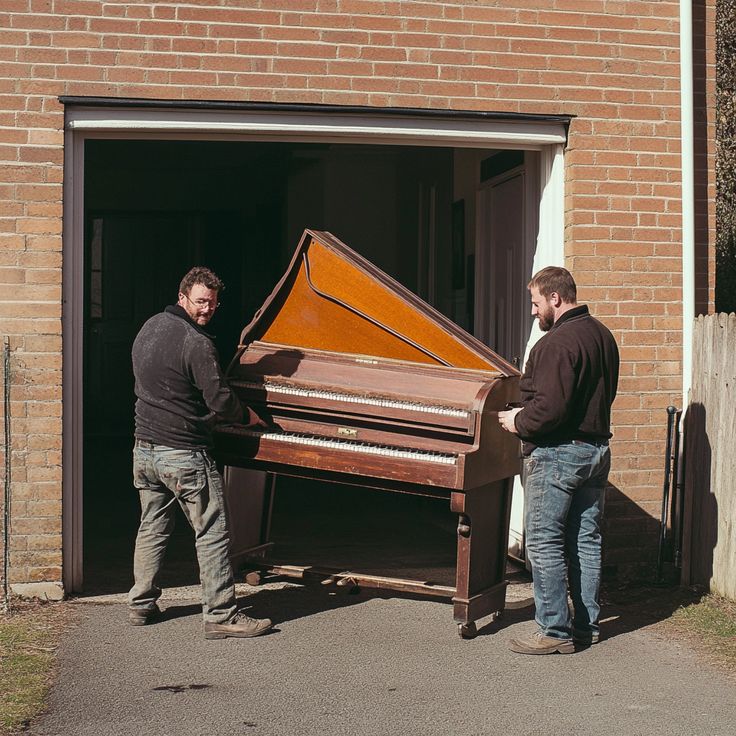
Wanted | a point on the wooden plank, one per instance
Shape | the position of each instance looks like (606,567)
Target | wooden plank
(709,544)
(344,578)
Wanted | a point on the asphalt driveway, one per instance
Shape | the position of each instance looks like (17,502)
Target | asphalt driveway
(372,664)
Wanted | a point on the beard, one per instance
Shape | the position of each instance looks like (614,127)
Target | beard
(546,319)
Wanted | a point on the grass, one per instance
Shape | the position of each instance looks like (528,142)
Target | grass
(28,641)
(710,625)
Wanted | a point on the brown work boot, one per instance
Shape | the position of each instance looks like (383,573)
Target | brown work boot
(140,616)
(538,643)
(239,625)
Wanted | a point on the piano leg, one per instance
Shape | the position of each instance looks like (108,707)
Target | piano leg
(482,542)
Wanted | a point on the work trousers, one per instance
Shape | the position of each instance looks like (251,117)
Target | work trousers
(164,477)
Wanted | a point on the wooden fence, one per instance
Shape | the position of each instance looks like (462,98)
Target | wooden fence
(710,458)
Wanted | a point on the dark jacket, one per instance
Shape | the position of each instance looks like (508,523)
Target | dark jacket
(180,387)
(569,383)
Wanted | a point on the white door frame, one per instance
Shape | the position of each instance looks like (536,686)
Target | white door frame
(151,120)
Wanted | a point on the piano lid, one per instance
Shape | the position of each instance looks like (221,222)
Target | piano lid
(333,299)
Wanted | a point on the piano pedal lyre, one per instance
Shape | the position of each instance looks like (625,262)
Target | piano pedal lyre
(342,582)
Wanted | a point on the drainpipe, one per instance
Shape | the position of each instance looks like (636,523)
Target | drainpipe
(688,194)
(688,251)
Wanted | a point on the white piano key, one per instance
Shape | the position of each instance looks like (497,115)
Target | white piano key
(365,448)
(386,403)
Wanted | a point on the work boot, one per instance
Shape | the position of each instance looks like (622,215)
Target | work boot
(538,643)
(239,625)
(141,616)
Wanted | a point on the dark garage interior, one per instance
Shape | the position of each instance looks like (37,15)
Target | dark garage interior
(155,208)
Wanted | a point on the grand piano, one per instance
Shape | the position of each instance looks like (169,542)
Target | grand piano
(360,382)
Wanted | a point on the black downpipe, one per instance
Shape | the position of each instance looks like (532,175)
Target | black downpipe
(671,413)
(678,500)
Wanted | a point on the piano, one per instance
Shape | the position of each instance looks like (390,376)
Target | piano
(361,382)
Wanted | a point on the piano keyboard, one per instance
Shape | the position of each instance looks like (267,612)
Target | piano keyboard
(360,447)
(279,388)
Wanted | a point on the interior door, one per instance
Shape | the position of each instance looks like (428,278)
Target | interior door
(503,270)
(502,307)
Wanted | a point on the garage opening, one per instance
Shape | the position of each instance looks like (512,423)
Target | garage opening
(457,225)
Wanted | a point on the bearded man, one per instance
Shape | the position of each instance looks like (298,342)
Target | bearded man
(564,422)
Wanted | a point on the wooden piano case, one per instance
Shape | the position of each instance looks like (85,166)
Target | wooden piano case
(362,383)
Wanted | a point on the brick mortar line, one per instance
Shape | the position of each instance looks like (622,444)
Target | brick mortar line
(306,14)
(474,24)
(448,3)
(563,43)
(313,60)
(473,61)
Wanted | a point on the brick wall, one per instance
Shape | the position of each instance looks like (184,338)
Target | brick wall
(611,63)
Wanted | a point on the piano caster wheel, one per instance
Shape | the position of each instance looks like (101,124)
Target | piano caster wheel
(467,631)
(255,577)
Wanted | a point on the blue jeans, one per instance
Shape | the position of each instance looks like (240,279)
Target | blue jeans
(165,476)
(563,502)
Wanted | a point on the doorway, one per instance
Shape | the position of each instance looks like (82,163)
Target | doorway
(508,226)
(238,206)
(153,209)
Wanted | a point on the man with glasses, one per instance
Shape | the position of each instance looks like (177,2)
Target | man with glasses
(181,393)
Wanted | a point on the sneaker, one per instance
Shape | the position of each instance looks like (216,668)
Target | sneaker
(538,643)
(238,626)
(140,616)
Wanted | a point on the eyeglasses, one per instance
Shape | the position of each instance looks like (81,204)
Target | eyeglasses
(211,303)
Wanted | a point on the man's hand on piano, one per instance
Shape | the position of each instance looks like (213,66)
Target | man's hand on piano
(251,419)
(506,420)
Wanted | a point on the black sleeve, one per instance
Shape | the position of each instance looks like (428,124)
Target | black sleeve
(554,380)
(209,379)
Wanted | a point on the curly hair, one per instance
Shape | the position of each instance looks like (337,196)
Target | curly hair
(201,275)
(555,279)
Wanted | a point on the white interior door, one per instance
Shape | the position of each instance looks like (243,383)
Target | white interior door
(502,285)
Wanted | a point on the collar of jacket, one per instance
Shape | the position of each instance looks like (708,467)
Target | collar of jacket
(178,311)
(580,311)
